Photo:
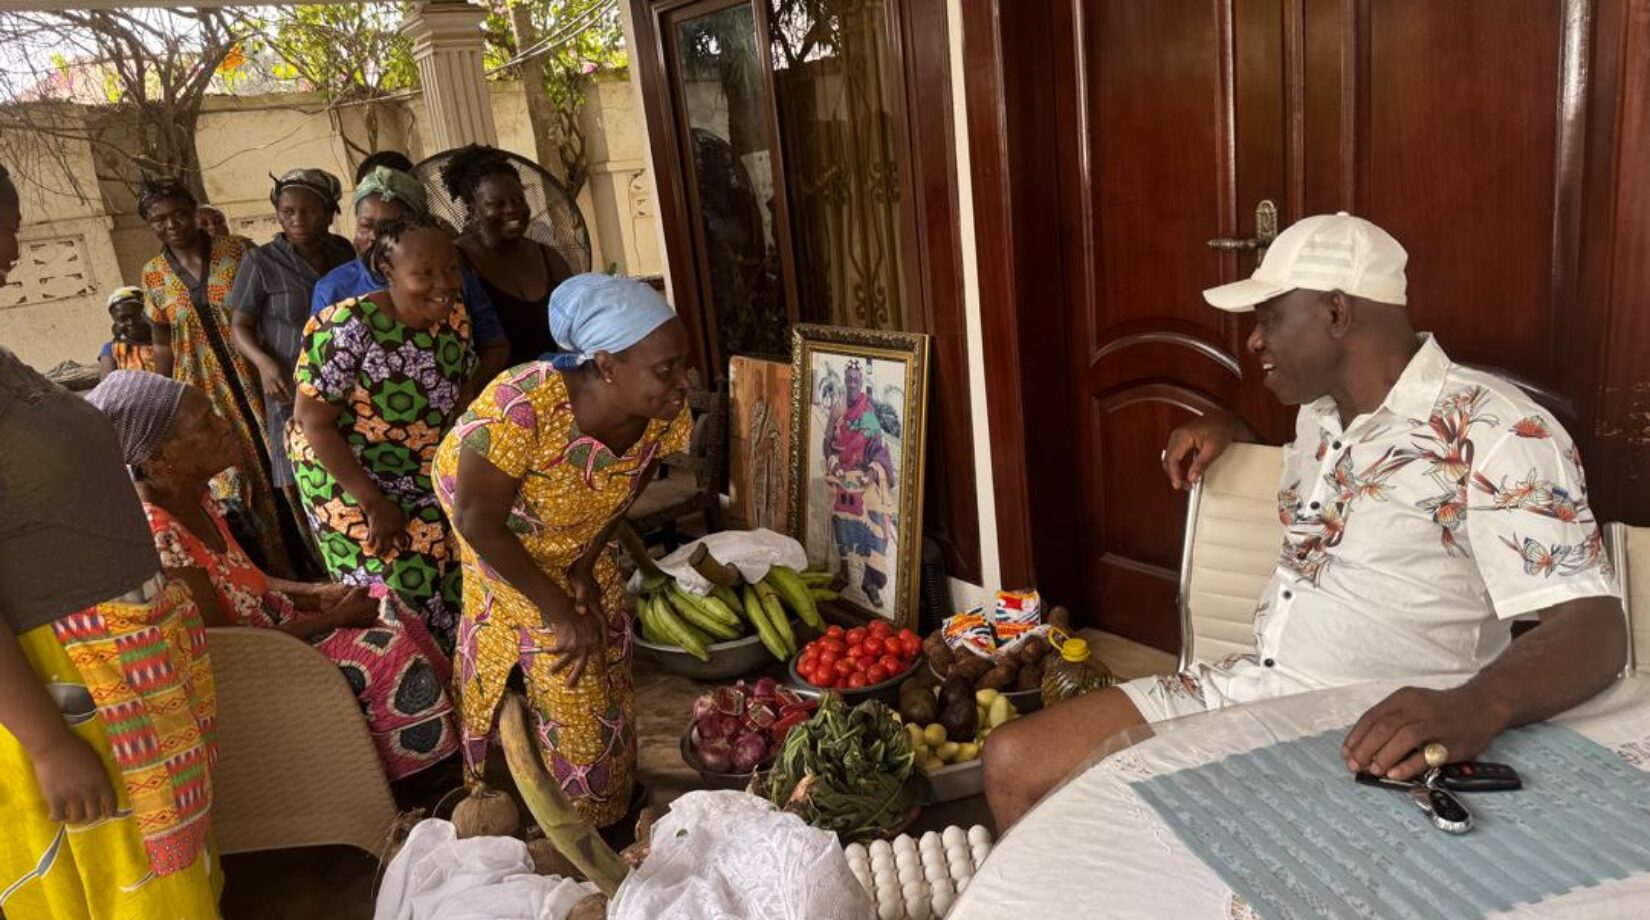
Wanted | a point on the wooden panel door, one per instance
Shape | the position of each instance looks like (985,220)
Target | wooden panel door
(1458,126)
(1175,123)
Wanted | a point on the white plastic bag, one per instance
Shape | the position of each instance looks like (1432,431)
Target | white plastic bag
(437,876)
(731,854)
(752,552)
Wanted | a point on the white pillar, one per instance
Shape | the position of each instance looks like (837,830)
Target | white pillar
(446,42)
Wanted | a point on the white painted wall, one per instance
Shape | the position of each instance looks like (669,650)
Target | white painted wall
(53,306)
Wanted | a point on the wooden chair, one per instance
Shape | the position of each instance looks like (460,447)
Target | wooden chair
(1231,547)
(1630,550)
(689,483)
(296,764)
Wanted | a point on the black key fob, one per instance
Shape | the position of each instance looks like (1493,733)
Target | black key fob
(1477,777)
(1445,810)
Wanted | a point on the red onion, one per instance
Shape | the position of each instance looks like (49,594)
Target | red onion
(716,725)
(749,750)
(766,688)
(716,755)
(703,706)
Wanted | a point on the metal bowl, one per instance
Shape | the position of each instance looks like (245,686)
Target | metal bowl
(714,780)
(958,780)
(887,691)
(727,659)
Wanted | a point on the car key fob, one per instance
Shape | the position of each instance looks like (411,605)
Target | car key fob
(1373,779)
(1476,777)
(1445,810)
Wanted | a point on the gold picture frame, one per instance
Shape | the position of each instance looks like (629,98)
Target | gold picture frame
(844,490)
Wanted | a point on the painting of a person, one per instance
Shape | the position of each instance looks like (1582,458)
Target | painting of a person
(859,470)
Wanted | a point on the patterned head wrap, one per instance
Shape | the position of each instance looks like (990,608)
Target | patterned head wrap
(142,407)
(315,181)
(123,294)
(595,312)
(154,191)
(391,185)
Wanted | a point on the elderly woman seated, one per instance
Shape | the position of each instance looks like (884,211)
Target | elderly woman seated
(174,443)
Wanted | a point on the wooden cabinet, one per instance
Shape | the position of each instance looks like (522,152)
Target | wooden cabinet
(1504,142)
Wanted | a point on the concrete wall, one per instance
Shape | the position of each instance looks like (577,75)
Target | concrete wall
(79,247)
(52,307)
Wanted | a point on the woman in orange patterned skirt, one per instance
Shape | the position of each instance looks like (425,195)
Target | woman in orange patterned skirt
(536,477)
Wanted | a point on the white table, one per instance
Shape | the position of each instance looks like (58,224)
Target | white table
(1093,849)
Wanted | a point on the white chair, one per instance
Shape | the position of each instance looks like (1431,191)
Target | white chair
(1630,545)
(1232,538)
(296,763)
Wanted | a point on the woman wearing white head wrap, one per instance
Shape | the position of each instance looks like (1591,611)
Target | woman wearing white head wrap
(535,478)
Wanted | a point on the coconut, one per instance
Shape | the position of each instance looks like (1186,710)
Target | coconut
(593,907)
(547,860)
(486,813)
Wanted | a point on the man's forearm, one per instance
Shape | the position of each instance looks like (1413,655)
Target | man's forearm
(1575,652)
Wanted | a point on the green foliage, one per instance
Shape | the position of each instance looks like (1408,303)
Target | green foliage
(571,42)
(345,52)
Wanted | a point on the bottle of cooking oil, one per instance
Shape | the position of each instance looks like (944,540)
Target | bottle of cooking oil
(1073,671)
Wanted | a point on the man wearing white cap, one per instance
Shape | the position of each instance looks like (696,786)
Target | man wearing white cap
(1426,505)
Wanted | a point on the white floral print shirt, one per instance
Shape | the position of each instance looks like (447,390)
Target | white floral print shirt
(1415,534)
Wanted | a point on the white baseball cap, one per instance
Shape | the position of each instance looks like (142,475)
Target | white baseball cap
(1325,252)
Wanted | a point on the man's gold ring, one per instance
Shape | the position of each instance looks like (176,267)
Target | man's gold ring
(1436,754)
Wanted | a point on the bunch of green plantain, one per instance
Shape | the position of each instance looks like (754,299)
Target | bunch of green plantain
(672,615)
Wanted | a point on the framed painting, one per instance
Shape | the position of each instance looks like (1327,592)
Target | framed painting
(759,444)
(859,401)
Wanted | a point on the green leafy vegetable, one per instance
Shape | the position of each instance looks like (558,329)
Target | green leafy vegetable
(855,769)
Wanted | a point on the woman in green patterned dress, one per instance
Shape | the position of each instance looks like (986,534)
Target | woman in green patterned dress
(379,379)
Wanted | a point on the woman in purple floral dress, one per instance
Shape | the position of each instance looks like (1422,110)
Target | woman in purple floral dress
(379,379)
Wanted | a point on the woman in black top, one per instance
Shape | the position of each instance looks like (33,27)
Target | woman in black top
(517,272)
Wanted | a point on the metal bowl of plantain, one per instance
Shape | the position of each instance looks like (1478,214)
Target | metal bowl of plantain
(727,659)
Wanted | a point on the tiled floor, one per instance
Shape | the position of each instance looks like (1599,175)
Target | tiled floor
(337,883)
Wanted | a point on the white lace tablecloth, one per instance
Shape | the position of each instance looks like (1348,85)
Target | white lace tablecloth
(1093,849)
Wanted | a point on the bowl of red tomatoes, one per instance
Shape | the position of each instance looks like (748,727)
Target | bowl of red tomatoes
(865,662)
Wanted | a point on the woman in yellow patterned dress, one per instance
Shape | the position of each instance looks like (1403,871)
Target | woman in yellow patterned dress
(535,477)
(186,286)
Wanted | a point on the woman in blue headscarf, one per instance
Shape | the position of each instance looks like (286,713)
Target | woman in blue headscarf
(535,478)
